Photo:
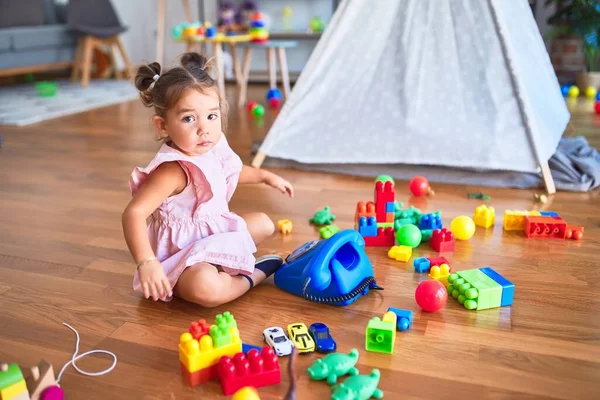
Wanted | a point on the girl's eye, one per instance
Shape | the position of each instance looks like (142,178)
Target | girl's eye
(212,117)
(188,118)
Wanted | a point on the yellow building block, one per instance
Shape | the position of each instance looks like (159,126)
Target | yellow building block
(14,391)
(199,354)
(400,253)
(514,220)
(484,216)
(440,273)
(390,317)
(285,226)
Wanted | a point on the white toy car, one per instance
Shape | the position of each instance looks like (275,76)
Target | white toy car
(276,338)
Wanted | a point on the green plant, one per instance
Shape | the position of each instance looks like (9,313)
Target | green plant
(582,18)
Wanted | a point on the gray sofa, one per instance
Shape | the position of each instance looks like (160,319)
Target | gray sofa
(34,36)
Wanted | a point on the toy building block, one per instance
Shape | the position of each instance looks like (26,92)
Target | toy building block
(333,366)
(390,316)
(247,347)
(225,320)
(284,226)
(514,220)
(199,329)
(440,273)
(12,383)
(545,228)
(364,210)
(430,221)
(39,379)
(389,217)
(438,261)
(359,387)
(380,336)
(385,238)
(401,222)
(385,225)
(384,193)
(246,393)
(475,290)
(574,232)
(255,369)
(367,227)
(389,207)
(400,253)
(442,240)
(421,264)
(508,288)
(426,235)
(322,217)
(200,376)
(328,231)
(411,214)
(403,318)
(549,214)
(484,216)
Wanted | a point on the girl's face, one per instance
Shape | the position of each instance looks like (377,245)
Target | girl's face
(194,123)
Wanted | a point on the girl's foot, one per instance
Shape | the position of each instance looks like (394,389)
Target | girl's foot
(264,267)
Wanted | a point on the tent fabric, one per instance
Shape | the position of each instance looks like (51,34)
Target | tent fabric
(450,83)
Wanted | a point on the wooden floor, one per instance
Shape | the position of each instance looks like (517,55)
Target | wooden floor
(63,187)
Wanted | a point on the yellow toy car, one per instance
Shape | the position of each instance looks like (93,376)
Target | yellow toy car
(302,340)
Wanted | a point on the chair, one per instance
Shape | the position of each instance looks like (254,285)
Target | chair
(99,25)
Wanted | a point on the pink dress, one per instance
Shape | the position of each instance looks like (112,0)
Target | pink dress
(196,225)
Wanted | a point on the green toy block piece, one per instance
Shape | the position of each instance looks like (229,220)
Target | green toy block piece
(359,387)
(225,320)
(475,290)
(411,212)
(333,366)
(322,217)
(384,178)
(9,375)
(380,336)
(401,222)
(328,231)
(398,205)
(385,224)
(220,335)
(426,235)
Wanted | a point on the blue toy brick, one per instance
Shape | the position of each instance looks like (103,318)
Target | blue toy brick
(549,214)
(430,221)
(508,288)
(389,206)
(403,318)
(367,227)
(247,347)
(421,265)
(257,24)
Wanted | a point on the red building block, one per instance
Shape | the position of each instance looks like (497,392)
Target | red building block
(364,210)
(254,369)
(574,232)
(442,240)
(385,237)
(200,376)
(438,261)
(199,329)
(384,193)
(545,228)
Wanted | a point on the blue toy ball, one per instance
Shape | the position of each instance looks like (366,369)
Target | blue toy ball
(274,93)
(565,89)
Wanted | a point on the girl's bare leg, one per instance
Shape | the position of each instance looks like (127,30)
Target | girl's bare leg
(260,226)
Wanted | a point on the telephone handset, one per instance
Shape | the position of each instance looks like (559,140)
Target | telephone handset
(335,271)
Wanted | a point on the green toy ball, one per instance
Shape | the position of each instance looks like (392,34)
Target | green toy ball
(258,110)
(384,178)
(462,227)
(409,235)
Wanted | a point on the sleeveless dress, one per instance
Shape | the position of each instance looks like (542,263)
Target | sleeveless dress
(196,225)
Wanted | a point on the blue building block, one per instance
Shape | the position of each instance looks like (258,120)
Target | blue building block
(389,206)
(508,288)
(421,265)
(247,347)
(549,214)
(430,221)
(403,318)
(367,227)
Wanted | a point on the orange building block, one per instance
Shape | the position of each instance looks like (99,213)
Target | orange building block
(364,210)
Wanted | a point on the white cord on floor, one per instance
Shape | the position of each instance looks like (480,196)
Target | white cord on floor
(77,357)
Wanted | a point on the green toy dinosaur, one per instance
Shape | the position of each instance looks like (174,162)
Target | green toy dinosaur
(322,217)
(334,365)
(358,387)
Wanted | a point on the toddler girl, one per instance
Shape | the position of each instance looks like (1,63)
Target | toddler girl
(178,226)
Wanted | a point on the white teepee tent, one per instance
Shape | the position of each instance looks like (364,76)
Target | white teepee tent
(449,83)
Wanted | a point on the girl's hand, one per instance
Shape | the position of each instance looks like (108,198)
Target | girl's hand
(154,281)
(279,183)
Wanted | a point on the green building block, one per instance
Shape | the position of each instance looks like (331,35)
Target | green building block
(380,336)
(412,213)
(426,235)
(220,335)
(359,387)
(225,320)
(322,217)
(9,375)
(401,222)
(475,290)
(385,224)
(333,366)
(328,231)
(398,205)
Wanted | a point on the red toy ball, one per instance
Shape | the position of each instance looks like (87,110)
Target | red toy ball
(251,105)
(419,186)
(597,107)
(274,102)
(431,295)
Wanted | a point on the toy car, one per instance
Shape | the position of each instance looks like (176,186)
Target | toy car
(322,337)
(275,337)
(301,338)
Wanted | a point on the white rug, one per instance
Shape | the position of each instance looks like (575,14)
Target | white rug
(21,105)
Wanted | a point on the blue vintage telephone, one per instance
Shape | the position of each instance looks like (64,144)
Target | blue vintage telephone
(334,271)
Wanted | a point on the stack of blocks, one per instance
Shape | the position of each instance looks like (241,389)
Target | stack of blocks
(380,336)
(375,220)
(480,289)
(423,264)
(514,220)
(12,383)
(254,369)
(541,225)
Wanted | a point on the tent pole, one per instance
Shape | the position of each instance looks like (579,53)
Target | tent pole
(548,180)
(259,158)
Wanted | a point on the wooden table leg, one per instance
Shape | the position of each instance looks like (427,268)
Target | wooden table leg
(220,72)
(160,30)
(285,74)
(236,64)
(245,74)
(272,67)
